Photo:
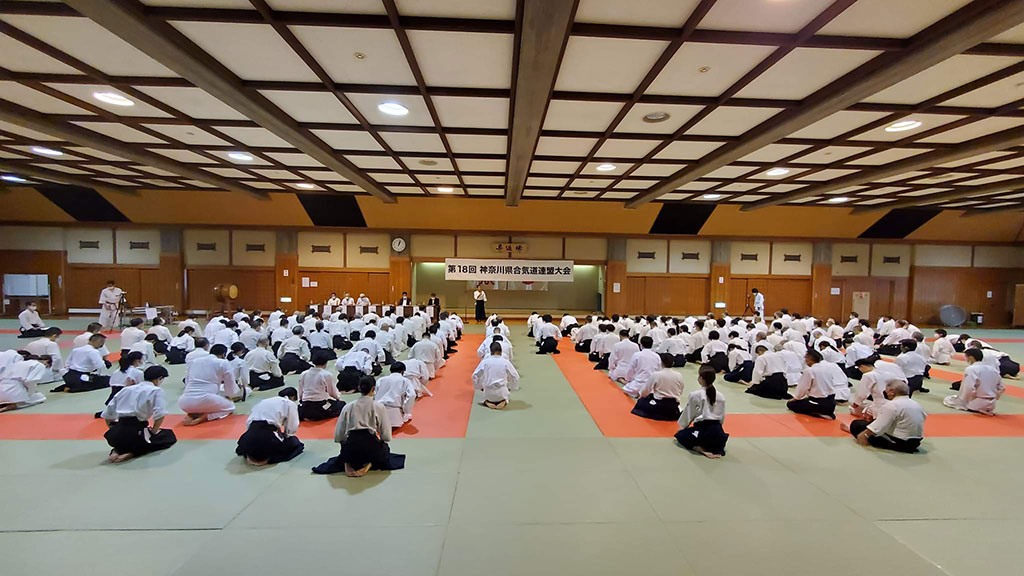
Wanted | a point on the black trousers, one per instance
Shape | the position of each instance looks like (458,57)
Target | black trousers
(890,350)
(548,346)
(583,346)
(348,379)
(719,361)
(360,448)
(773,386)
(814,406)
(706,434)
(959,346)
(292,363)
(175,355)
(666,409)
(30,333)
(680,361)
(328,353)
(693,356)
(320,409)
(75,381)
(602,364)
(130,436)
(885,442)
(481,314)
(1008,367)
(915,383)
(568,329)
(264,381)
(853,372)
(263,442)
(744,372)
(160,347)
(339,342)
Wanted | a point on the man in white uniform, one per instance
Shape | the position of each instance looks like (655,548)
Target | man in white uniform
(758,302)
(29,322)
(110,300)
(495,377)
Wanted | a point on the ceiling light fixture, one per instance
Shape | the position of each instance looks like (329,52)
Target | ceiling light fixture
(838,200)
(359,55)
(655,117)
(902,126)
(428,162)
(711,196)
(605,167)
(704,69)
(445,189)
(305,186)
(240,156)
(777,172)
(112,98)
(12,178)
(46,151)
(392,108)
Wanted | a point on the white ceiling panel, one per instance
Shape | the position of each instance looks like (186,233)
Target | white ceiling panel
(391,178)
(337,50)
(831,154)
(417,116)
(323,175)
(463,59)
(15,129)
(187,134)
(942,77)
(887,156)
(223,154)
(346,6)
(732,120)
(490,10)
(838,123)
(979,158)
(251,51)
(804,71)
(550,167)
(86,93)
(348,139)
(580,115)
(591,169)
(928,121)
(185,156)
(311,106)
(722,65)
(296,159)
(19,57)
(120,132)
(729,172)
(634,121)
(680,150)
(480,165)
(61,168)
(659,170)
(96,154)
(462,112)
(890,19)
(558,146)
(428,164)
(227,172)
(373,161)
(774,152)
(606,64)
(413,142)
(975,130)
(527,193)
(38,101)
(254,136)
(90,43)
(277,174)
(621,148)
(618,195)
(763,16)
(660,13)
(477,144)
(546,182)
(825,175)
(193,102)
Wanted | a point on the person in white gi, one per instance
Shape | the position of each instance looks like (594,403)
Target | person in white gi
(132,334)
(980,388)
(416,371)
(47,346)
(363,301)
(269,435)
(209,385)
(334,301)
(621,355)
(110,300)
(29,322)
(397,394)
(641,366)
(129,433)
(18,382)
(898,424)
(495,377)
(942,349)
(758,302)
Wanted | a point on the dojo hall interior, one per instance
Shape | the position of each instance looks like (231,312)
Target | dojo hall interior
(656,159)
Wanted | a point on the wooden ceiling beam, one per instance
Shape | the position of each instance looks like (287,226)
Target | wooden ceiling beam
(968,27)
(34,172)
(545,33)
(128,20)
(966,191)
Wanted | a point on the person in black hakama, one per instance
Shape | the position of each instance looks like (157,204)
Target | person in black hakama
(128,413)
(701,420)
(363,430)
(269,437)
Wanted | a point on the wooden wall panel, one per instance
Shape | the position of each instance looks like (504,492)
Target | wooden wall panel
(171,278)
(635,288)
(888,295)
(933,287)
(84,284)
(286,286)
(373,284)
(719,292)
(400,279)
(256,288)
(49,262)
(675,295)
(821,284)
(793,294)
(615,272)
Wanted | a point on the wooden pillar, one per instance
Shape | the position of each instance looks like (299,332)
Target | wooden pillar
(172,281)
(821,286)
(286,272)
(615,273)
(399,278)
(718,290)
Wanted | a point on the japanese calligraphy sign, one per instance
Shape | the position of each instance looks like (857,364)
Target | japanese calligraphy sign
(511,270)
(510,248)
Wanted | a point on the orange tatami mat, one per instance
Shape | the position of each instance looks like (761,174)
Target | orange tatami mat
(610,409)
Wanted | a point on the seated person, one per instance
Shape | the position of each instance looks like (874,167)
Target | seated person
(85,367)
(163,335)
(601,347)
(814,395)
(912,365)
(548,336)
(321,341)
(659,398)
(741,365)
(641,366)
(417,372)
(898,425)
(47,345)
(769,374)
(318,392)
(129,373)
(700,424)
(942,349)
(209,387)
(980,388)
(674,346)
(351,368)
(263,366)
(363,431)
(621,355)
(294,353)
(131,335)
(18,382)
(269,435)
(855,351)
(715,353)
(128,413)
(495,376)
(30,325)
(397,394)
(180,346)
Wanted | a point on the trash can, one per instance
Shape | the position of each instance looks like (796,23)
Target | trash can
(977,318)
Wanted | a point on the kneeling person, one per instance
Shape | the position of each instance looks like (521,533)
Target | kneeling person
(269,436)
(496,377)
(898,424)
(701,421)
(363,431)
(128,414)
(319,392)
(659,398)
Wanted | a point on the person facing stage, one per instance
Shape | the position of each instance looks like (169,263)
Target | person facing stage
(480,297)
(110,301)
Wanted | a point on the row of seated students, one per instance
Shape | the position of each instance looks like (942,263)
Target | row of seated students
(217,375)
(815,359)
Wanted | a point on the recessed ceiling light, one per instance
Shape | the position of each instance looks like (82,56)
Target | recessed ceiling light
(605,167)
(12,178)
(655,117)
(704,69)
(240,156)
(711,196)
(445,189)
(392,108)
(359,55)
(777,172)
(428,162)
(46,151)
(305,186)
(112,98)
(839,200)
(902,126)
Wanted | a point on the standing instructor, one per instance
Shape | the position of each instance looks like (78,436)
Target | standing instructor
(480,296)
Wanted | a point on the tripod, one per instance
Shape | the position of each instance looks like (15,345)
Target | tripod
(747,308)
(122,306)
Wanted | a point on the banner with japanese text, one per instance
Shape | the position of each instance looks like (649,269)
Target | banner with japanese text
(508,270)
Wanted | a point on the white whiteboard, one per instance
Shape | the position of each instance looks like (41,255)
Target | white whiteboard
(26,285)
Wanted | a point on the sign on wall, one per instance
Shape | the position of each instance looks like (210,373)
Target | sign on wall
(511,247)
(508,270)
